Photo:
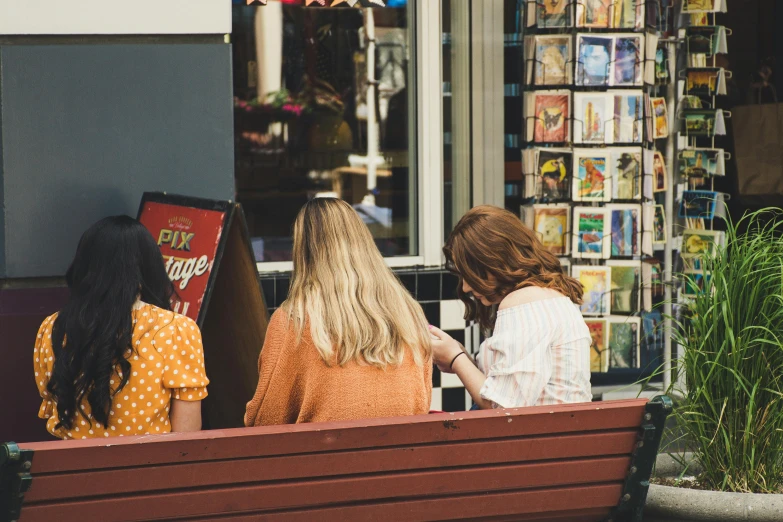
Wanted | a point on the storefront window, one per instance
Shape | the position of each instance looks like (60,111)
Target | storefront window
(324,99)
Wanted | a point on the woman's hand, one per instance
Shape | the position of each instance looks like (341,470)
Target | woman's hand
(444,349)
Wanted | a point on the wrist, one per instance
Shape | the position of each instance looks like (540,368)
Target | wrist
(456,358)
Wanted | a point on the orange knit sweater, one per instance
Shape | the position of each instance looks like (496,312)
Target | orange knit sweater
(295,385)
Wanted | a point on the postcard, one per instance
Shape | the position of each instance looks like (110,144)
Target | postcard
(623,342)
(591,175)
(700,243)
(695,282)
(599,355)
(661,118)
(594,117)
(660,16)
(628,116)
(698,204)
(592,233)
(530,172)
(626,231)
(704,6)
(705,122)
(552,227)
(553,62)
(650,56)
(554,174)
(706,81)
(549,121)
(626,173)
(701,163)
(628,14)
(594,60)
(659,173)
(691,263)
(596,281)
(594,13)
(626,283)
(652,340)
(553,13)
(706,39)
(659,225)
(647,228)
(661,67)
(628,59)
(690,102)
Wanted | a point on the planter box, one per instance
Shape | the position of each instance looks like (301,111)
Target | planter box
(671,504)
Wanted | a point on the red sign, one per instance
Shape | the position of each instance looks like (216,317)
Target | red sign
(188,238)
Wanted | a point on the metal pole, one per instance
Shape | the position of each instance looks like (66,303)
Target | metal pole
(372,122)
(671,104)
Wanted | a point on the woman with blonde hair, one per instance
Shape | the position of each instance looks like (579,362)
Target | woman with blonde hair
(349,342)
(538,352)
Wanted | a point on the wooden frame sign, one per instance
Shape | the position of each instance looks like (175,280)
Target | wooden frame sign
(189,232)
(208,256)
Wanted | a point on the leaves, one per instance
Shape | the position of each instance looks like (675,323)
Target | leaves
(732,408)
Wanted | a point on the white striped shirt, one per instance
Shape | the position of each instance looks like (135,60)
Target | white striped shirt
(539,354)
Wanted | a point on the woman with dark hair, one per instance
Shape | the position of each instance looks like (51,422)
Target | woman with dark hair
(116,360)
(538,352)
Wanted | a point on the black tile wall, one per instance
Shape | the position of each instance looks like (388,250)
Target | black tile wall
(432,312)
(449,284)
(425,285)
(435,377)
(268,286)
(281,289)
(453,399)
(428,286)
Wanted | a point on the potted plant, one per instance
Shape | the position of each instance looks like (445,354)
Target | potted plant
(730,412)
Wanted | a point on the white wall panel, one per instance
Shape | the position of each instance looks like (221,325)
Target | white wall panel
(86,17)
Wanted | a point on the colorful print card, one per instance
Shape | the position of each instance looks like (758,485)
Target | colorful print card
(548,116)
(626,286)
(554,174)
(625,169)
(626,223)
(596,281)
(591,175)
(594,118)
(623,342)
(599,355)
(552,225)
(594,60)
(591,233)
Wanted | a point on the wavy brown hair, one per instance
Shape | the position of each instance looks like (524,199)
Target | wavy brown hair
(495,254)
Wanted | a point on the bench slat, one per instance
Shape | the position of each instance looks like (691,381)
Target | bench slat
(297,439)
(599,514)
(189,475)
(362,488)
(528,505)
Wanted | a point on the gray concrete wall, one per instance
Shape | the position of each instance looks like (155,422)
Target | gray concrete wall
(86,129)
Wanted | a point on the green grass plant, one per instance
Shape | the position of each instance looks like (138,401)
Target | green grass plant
(731,412)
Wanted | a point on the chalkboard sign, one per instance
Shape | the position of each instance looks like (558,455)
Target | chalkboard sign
(208,256)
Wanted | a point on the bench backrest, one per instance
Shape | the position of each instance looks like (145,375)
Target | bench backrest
(572,462)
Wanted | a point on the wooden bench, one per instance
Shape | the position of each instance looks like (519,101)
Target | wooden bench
(575,462)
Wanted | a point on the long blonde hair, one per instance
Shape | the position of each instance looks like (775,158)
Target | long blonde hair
(356,307)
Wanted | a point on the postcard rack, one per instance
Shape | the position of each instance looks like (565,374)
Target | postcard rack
(700,160)
(598,166)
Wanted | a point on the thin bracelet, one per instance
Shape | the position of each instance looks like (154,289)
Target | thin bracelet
(451,366)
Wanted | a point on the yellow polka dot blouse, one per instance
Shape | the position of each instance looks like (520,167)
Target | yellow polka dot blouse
(167,361)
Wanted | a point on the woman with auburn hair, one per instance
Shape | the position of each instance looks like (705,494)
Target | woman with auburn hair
(349,342)
(539,349)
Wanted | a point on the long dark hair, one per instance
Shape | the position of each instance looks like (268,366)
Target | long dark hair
(496,254)
(116,262)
